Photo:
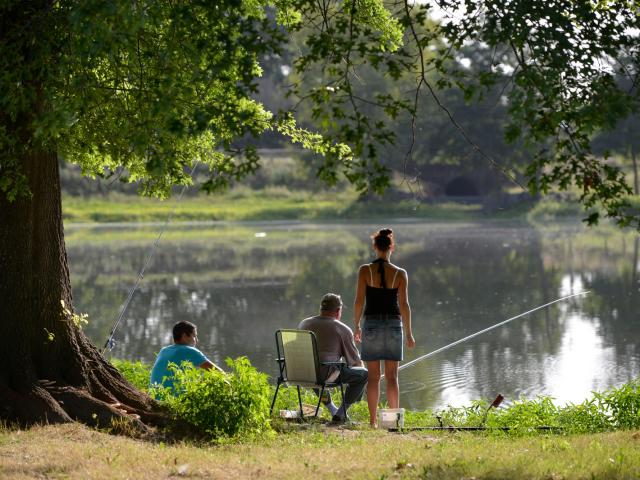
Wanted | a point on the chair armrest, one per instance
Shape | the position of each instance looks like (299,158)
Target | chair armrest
(334,364)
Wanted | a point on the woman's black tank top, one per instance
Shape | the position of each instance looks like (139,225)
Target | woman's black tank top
(381,301)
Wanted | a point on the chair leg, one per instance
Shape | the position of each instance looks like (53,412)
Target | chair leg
(343,402)
(319,400)
(275,395)
(300,402)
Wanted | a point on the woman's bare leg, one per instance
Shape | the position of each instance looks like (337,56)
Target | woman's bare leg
(373,391)
(391,377)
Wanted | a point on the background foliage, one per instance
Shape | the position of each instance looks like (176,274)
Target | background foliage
(221,405)
(140,92)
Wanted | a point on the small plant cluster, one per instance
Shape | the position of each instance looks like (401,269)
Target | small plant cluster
(238,403)
(79,320)
(614,409)
(220,404)
(136,373)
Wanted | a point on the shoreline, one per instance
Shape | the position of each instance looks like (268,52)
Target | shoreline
(305,223)
(293,208)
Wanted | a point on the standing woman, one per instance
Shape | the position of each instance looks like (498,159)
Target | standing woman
(383,292)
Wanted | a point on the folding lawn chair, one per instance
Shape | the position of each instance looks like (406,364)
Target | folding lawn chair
(299,365)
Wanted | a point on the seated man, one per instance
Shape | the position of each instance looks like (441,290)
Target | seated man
(185,337)
(335,341)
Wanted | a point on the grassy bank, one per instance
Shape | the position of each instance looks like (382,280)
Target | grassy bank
(567,206)
(321,450)
(281,204)
(205,395)
(76,452)
(268,204)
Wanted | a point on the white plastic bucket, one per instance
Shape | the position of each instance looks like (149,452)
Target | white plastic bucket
(290,413)
(391,418)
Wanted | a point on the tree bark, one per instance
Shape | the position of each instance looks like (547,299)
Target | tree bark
(634,270)
(634,162)
(49,370)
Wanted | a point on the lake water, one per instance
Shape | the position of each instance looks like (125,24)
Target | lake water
(241,282)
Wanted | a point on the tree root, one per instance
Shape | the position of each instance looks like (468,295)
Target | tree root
(83,407)
(49,403)
(29,407)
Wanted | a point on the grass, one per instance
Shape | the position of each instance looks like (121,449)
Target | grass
(282,204)
(260,205)
(321,450)
(222,208)
(567,206)
(72,451)
(613,409)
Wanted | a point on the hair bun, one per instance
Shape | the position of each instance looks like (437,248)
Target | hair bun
(383,239)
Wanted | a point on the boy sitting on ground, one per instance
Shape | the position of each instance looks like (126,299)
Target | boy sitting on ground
(185,337)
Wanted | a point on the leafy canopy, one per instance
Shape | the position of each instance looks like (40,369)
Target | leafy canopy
(573,73)
(566,71)
(145,89)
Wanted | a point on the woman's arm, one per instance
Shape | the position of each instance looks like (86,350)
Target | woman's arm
(358,304)
(405,309)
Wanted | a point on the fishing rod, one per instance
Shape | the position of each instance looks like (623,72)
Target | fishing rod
(457,342)
(110,343)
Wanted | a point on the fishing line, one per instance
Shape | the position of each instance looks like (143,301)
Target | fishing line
(110,343)
(457,342)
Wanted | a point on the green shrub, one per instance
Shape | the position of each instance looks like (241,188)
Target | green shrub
(524,416)
(471,416)
(136,373)
(425,418)
(221,405)
(238,403)
(586,417)
(623,404)
(288,398)
(614,409)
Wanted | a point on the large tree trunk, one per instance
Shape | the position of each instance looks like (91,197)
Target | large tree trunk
(634,162)
(49,371)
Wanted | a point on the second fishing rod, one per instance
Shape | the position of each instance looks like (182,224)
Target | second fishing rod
(485,330)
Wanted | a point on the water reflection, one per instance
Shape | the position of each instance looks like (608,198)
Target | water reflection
(241,283)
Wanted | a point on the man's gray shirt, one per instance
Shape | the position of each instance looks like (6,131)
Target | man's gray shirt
(335,340)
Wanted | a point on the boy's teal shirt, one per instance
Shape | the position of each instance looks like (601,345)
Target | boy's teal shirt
(161,375)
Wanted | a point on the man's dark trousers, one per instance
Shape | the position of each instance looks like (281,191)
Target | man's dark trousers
(356,380)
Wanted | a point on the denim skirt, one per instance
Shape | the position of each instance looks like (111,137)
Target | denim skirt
(381,338)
